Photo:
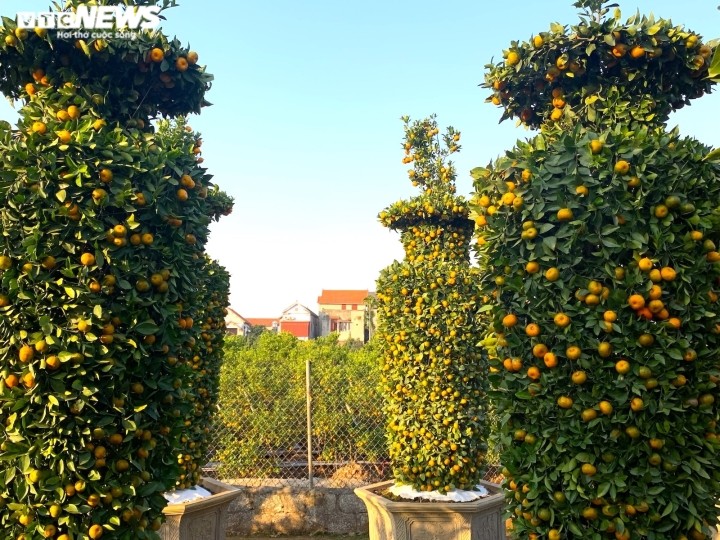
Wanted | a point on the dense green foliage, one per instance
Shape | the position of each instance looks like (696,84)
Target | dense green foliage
(600,237)
(262,407)
(111,317)
(434,375)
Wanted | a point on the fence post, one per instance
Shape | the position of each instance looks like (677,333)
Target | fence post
(308,401)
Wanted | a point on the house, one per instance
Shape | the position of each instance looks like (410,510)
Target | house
(269,323)
(236,324)
(300,321)
(345,312)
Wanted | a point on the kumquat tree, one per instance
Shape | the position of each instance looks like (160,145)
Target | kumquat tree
(601,237)
(433,373)
(111,316)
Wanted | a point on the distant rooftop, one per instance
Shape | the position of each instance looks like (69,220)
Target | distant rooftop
(342,296)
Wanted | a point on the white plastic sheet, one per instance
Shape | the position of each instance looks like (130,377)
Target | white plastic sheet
(456,495)
(180,496)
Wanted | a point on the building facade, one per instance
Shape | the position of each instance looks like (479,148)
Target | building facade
(345,312)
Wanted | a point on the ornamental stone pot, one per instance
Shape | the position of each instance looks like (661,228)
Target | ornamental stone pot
(421,520)
(201,519)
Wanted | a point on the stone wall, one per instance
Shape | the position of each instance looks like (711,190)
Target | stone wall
(296,511)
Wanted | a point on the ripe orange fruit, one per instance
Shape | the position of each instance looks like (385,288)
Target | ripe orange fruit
(509,320)
(605,407)
(26,353)
(668,274)
(636,301)
(590,513)
(537,41)
(11,381)
(621,167)
(588,469)
(646,340)
(661,211)
(610,316)
(29,380)
(64,136)
(181,194)
(513,58)
(532,267)
(552,274)
(561,320)
(550,360)
(556,114)
(181,64)
(578,377)
(622,366)
(588,414)
(106,175)
(87,259)
(637,52)
(95,531)
(533,373)
(565,402)
(39,127)
(596,146)
(645,264)
(157,55)
(532,330)
(604,349)
(573,352)
(655,292)
(637,404)
(192,58)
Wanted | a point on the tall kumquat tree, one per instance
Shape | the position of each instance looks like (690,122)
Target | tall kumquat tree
(602,243)
(106,379)
(433,371)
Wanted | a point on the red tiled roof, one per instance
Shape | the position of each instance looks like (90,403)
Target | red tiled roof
(342,296)
(267,322)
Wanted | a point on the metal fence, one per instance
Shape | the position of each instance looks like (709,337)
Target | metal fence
(304,429)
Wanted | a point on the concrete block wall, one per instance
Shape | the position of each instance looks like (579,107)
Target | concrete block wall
(296,511)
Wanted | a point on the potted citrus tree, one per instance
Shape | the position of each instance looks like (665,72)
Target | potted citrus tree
(104,217)
(434,375)
(601,238)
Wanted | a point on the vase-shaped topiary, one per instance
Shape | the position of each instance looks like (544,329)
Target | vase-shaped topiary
(600,236)
(434,375)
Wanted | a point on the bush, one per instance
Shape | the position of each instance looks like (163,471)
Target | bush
(434,377)
(104,219)
(262,416)
(600,238)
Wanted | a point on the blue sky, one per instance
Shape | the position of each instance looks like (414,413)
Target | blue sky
(305,130)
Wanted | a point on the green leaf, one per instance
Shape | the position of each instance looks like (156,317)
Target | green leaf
(146,328)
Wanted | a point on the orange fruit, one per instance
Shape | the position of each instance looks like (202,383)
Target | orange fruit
(621,167)
(561,320)
(539,350)
(550,360)
(181,194)
(532,330)
(39,127)
(578,377)
(655,292)
(645,264)
(513,58)
(552,274)
(646,340)
(106,175)
(26,353)
(605,407)
(661,211)
(532,267)
(637,52)
(157,55)
(573,352)
(622,367)
(610,316)
(565,402)
(588,469)
(604,349)
(533,373)
(64,136)
(636,301)
(192,58)
(509,320)
(668,274)
(596,146)
(11,381)
(565,214)
(181,64)
(637,404)
(95,531)
(589,414)
(87,259)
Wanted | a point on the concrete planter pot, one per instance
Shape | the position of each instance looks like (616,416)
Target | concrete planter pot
(203,519)
(477,520)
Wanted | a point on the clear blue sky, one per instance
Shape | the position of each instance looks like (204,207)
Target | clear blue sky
(305,133)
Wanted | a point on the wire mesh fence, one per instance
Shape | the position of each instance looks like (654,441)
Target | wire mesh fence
(318,424)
